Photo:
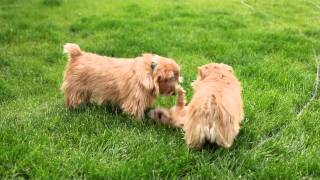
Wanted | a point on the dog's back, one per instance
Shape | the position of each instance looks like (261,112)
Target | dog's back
(90,76)
(215,112)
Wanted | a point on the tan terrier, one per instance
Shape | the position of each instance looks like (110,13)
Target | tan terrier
(215,111)
(131,83)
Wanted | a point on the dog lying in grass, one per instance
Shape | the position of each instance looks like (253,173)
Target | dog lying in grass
(131,83)
(215,111)
(176,116)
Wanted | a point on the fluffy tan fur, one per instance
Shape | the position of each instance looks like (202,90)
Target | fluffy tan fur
(215,111)
(176,115)
(131,83)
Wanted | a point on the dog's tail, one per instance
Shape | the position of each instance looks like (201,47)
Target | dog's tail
(73,50)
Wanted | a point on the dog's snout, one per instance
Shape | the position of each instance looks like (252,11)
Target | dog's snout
(174,93)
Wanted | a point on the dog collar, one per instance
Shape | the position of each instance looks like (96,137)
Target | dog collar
(153,65)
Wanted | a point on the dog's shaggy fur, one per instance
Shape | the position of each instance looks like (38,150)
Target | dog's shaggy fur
(215,111)
(176,115)
(131,83)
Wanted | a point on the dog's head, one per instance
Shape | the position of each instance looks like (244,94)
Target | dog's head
(165,74)
(162,115)
(173,116)
(214,69)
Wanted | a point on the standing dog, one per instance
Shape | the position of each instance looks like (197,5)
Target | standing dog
(131,83)
(215,111)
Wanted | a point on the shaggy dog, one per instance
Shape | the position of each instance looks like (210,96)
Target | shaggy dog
(131,83)
(215,111)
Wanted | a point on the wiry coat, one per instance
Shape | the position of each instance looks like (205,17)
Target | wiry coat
(215,111)
(131,83)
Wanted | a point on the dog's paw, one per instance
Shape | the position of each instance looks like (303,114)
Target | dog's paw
(180,79)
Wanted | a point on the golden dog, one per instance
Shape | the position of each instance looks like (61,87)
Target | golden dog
(176,115)
(215,111)
(131,83)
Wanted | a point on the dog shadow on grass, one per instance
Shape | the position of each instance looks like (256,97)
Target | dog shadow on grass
(112,116)
(104,109)
(107,109)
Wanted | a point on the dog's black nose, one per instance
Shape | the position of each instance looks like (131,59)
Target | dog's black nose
(174,93)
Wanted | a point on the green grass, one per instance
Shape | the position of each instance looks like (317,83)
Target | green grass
(269,43)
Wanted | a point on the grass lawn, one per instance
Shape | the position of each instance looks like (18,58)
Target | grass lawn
(272,46)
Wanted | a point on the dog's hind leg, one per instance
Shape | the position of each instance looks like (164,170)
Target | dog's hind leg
(194,133)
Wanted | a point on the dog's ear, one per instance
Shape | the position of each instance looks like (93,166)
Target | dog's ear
(145,78)
(203,72)
(144,73)
(230,69)
(227,67)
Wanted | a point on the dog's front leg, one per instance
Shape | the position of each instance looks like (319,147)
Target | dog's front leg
(135,109)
